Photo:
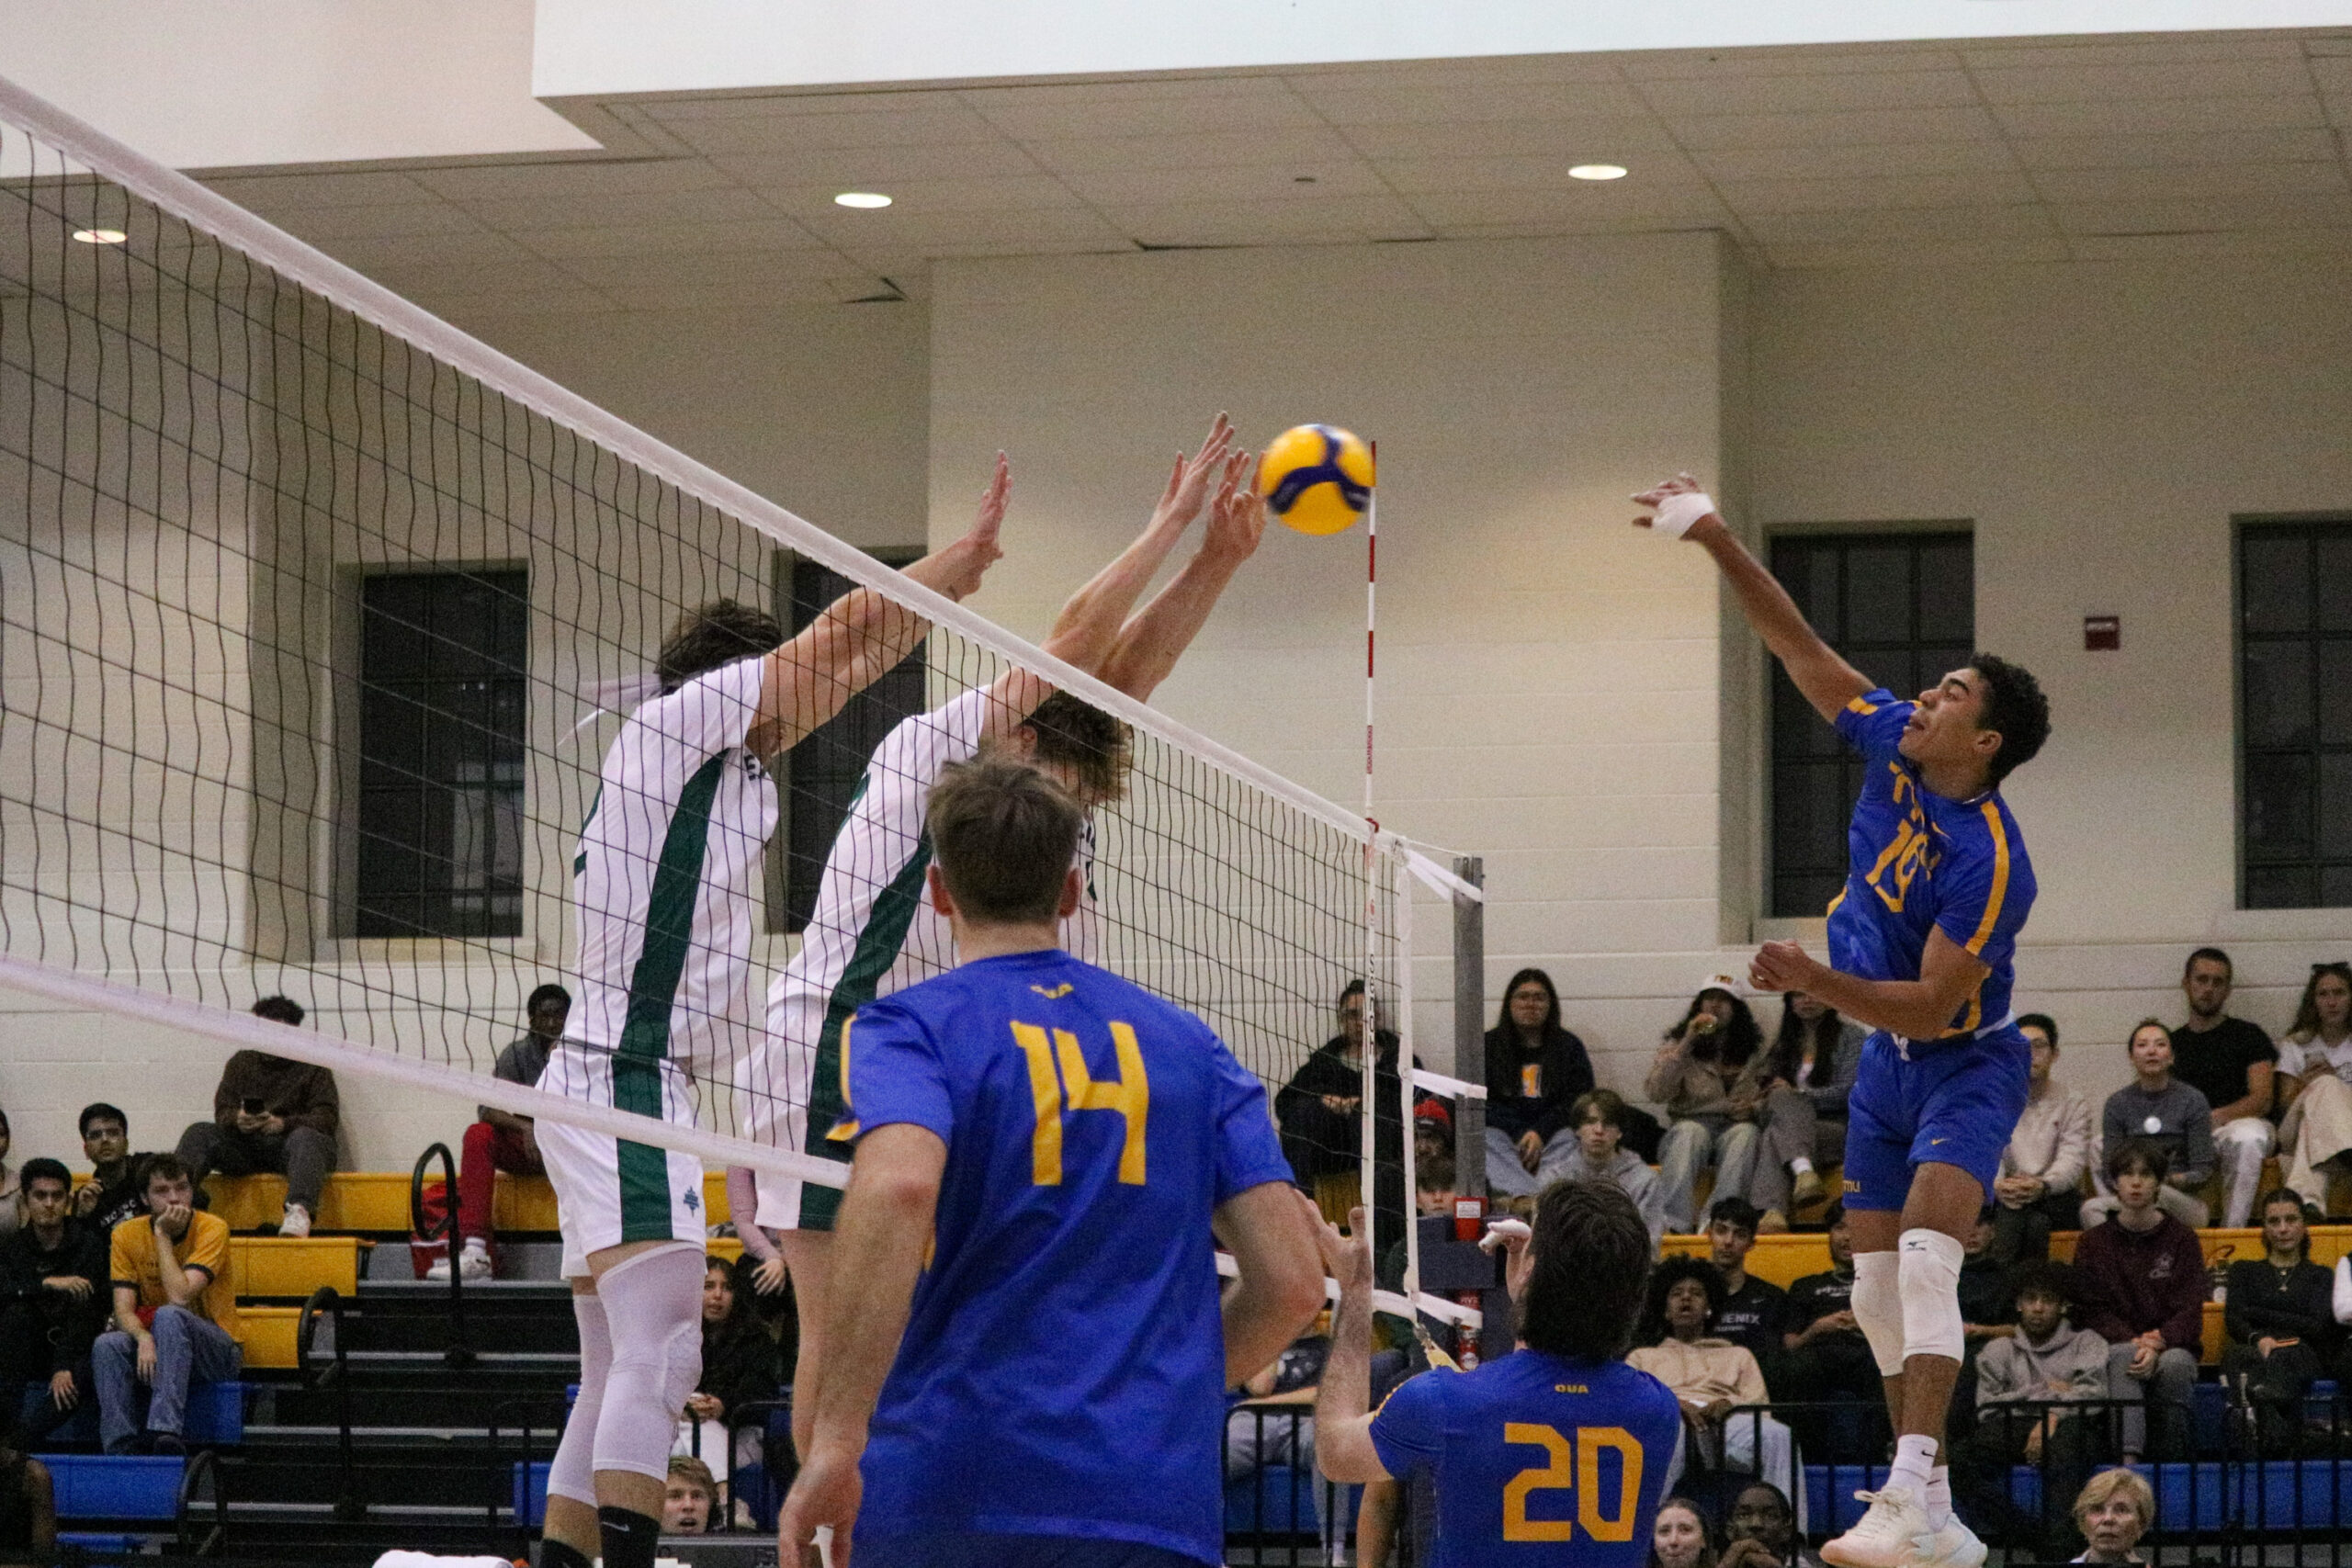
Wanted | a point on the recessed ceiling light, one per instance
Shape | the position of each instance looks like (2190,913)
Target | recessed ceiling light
(100,236)
(1598,172)
(861,198)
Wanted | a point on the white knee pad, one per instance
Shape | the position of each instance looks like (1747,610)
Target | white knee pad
(573,1473)
(653,1307)
(1878,1307)
(1930,1279)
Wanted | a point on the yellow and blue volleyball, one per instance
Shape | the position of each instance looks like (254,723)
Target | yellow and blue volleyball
(1316,478)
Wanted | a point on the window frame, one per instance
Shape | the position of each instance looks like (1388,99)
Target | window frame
(2309,525)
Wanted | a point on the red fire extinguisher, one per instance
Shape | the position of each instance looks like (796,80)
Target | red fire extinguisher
(1469,1225)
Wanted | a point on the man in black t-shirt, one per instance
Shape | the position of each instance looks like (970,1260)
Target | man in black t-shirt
(117,1190)
(1753,1310)
(1828,1359)
(2230,1063)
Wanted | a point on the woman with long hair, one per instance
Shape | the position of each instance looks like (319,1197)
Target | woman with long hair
(1708,1073)
(1681,1538)
(1536,1071)
(2314,1081)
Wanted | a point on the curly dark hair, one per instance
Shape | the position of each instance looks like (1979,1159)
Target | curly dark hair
(1591,1253)
(2016,709)
(1671,1272)
(713,634)
(1732,1044)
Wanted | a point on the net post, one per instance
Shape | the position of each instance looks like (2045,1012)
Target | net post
(1402,882)
(1469,1035)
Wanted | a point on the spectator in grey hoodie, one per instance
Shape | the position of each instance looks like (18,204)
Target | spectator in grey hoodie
(1597,1119)
(2047,1362)
(2158,1107)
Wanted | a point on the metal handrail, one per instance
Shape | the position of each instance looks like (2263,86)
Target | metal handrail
(203,1462)
(327,1302)
(459,1355)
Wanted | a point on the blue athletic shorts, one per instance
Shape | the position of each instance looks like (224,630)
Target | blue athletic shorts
(1948,1103)
(1013,1551)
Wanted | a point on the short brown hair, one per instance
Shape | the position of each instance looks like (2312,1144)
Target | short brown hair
(711,635)
(170,1166)
(1590,1274)
(1610,1105)
(1005,835)
(687,1467)
(1094,747)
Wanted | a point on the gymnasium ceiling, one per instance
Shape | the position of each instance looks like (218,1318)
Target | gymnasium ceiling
(1807,157)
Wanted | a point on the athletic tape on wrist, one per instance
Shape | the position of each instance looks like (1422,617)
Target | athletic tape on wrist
(1677,513)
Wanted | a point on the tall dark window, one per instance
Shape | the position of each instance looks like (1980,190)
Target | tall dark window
(1902,608)
(442,666)
(822,772)
(2295,708)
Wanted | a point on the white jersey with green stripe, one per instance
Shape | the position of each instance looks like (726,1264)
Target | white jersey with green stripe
(667,880)
(874,931)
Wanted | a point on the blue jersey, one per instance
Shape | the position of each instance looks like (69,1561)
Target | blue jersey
(1538,1459)
(1916,863)
(1063,1368)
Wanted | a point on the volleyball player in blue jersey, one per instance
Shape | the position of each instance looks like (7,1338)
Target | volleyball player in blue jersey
(1921,941)
(1027,1350)
(1553,1455)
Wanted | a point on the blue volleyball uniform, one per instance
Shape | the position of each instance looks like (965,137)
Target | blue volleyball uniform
(1538,1458)
(1063,1368)
(1918,863)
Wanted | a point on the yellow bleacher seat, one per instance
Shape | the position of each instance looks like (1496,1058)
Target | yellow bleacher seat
(725,1246)
(269,1336)
(527,1202)
(277,1266)
(351,1200)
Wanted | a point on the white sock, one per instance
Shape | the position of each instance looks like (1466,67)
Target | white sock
(1798,1165)
(1940,1496)
(477,1246)
(1915,1458)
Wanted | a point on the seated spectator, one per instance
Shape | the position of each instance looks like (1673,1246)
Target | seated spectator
(1318,1112)
(1535,1072)
(1273,1423)
(499,1140)
(2047,1360)
(2140,1280)
(1807,1081)
(117,1190)
(2115,1509)
(270,1114)
(740,1367)
(2234,1065)
(1681,1538)
(2316,1085)
(28,1507)
(1710,1376)
(1763,1531)
(1753,1310)
(690,1498)
(2039,1188)
(1987,1312)
(2159,1107)
(54,1282)
(1828,1357)
(2280,1323)
(1706,1076)
(174,1315)
(1598,1122)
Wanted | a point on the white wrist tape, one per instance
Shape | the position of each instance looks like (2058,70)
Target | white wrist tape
(1677,513)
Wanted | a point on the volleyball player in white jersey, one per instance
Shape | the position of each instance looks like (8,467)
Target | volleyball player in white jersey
(873,929)
(665,885)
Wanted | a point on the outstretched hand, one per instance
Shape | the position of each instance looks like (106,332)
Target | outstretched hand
(969,559)
(1658,494)
(1346,1259)
(1237,516)
(1188,483)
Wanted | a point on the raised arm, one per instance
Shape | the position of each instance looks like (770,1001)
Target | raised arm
(1149,645)
(863,635)
(1088,628)
(1827,681)
(1344,1445)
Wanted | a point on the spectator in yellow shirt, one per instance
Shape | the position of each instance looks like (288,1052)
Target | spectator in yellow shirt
(175,1314)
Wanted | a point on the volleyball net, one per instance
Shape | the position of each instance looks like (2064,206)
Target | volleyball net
(324,622)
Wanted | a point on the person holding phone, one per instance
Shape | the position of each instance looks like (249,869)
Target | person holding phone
(270,1114)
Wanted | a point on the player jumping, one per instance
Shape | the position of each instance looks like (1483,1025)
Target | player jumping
(1921,942)
(1027,1350)
(874,927)
(666,887)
